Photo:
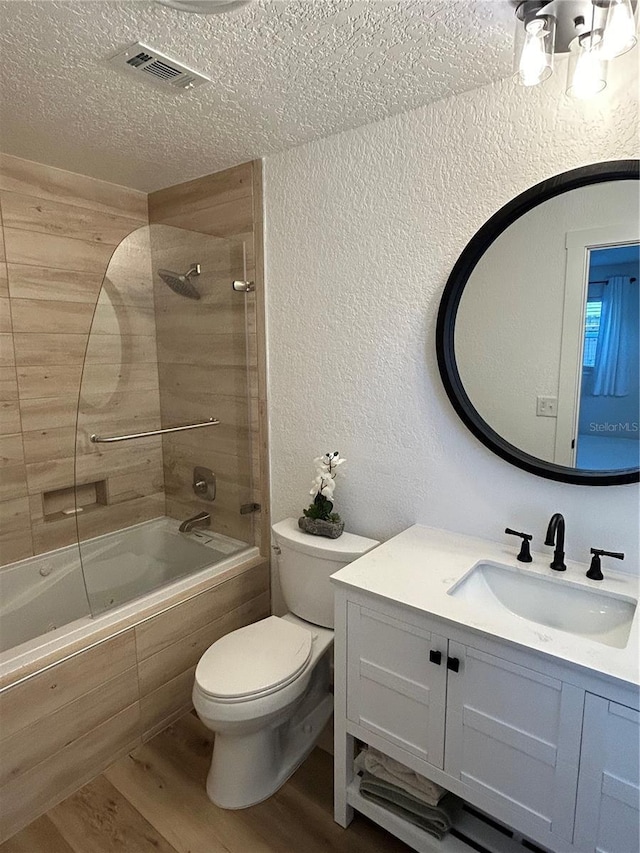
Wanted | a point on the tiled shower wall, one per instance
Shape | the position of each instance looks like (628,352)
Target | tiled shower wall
(211,352)
(58,233)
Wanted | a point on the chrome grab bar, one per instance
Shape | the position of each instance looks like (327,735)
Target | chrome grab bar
(100,439)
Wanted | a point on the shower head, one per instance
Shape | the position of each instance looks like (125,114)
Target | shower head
(182,284)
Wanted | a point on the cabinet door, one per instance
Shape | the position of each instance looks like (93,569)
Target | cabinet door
(608,787)
(513,735)
(395,687)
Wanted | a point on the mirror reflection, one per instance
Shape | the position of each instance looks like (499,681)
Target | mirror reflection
(547,330)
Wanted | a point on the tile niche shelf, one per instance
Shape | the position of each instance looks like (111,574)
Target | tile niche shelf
(71,500)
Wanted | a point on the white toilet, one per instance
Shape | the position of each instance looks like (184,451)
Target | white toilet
(264,689)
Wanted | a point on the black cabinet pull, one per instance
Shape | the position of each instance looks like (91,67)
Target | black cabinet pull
(453,664)
(435,657)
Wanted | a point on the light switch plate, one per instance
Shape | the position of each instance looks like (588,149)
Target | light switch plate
(546,407)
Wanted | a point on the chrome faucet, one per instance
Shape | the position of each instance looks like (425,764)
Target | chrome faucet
(202,519)
(555,536)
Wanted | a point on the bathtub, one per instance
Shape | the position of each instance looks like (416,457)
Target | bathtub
(49,605)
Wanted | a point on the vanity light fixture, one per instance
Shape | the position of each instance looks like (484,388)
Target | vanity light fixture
(592,32)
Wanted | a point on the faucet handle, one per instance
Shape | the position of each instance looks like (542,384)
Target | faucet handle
(525,553)
(595,569)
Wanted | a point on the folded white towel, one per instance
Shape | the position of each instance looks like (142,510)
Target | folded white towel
(389,770)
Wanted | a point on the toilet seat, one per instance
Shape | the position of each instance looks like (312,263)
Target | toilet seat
(254,661)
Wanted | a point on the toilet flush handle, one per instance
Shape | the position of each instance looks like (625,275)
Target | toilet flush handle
(276,549)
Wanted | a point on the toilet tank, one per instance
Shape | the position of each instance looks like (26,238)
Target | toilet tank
(305,565)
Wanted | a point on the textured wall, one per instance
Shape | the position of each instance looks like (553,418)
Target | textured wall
(362,231)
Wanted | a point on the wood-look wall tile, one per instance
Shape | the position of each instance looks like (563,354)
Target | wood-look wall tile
(184,380)
(13,483)
(49,348)
(11,452)
(42,694)
(46,444)
(15,545)
(178,403)
(64,219)
(186,652)
(9,417)
(14,514)
(45,316)
(138,484)
(51,781)
(51,535)
(36,179)
(2,252)
(180,457)
(167,628)
(167,703)
(49,475)
(117,516)
(121,349)
(117,378)
(121,319)
(111,459)
(54,380)
(4,279)
(204,350)
(220,220)
(44,413)
(29,282)
(225,452)
(181,322)
(63,253)
(8,384)
(49,735)
(225,186)
(6,326)
(7,357)
(118,412)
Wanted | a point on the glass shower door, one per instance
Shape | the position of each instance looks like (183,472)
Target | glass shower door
(168,347)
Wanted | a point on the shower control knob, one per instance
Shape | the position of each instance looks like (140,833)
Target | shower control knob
(204,483)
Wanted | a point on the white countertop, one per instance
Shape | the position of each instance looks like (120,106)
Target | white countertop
(418,567)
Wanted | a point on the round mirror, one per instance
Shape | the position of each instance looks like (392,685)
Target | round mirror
(538,328)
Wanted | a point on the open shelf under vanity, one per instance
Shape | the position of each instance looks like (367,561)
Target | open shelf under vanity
(472,830)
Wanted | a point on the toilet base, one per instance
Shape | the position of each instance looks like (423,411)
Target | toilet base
(249,768)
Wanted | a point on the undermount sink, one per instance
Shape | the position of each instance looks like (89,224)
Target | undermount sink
(593,614)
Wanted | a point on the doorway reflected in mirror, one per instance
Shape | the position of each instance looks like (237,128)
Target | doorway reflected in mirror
(608,430)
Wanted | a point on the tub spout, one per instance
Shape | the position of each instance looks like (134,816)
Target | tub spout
(202,519)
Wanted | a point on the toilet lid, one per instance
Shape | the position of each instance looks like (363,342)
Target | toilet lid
(256,659)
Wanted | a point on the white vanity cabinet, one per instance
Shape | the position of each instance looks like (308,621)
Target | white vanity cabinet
(499,727)
(607,813)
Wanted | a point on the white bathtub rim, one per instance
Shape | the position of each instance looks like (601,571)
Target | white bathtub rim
(67,636)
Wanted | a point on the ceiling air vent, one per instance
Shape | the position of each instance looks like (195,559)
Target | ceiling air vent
(151,65)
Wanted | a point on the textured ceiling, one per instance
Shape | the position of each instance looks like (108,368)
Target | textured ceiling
(283,73)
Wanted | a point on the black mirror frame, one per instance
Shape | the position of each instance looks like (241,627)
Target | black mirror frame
(615,170)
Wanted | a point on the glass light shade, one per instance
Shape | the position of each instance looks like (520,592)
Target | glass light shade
(535,38)
(619,34)
(203,7)
(587,68)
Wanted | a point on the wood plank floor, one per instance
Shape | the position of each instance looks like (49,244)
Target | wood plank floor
(154,801)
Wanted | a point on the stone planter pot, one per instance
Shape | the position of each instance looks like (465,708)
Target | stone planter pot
(319,527)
